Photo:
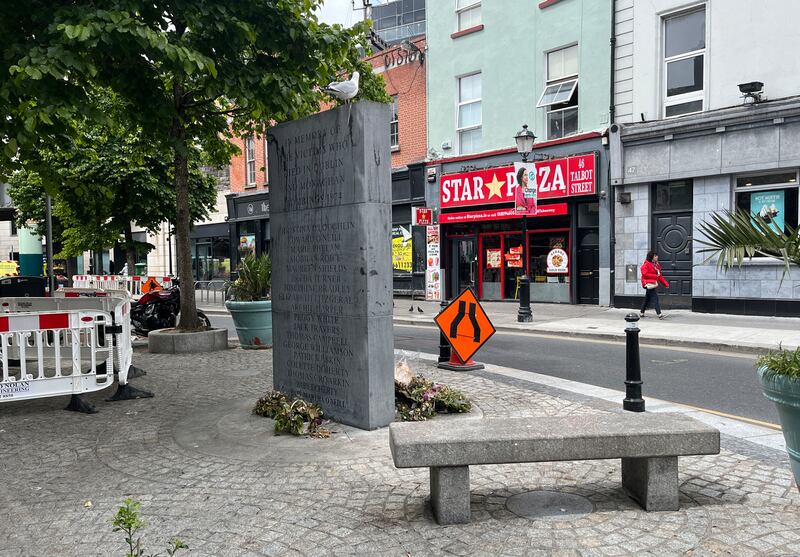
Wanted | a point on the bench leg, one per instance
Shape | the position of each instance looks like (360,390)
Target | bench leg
(450,494)
(652,482)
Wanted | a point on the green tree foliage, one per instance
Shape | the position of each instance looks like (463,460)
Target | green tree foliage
(191,72)
(109,176)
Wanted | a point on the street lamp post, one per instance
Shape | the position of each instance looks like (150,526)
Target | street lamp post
(524,139)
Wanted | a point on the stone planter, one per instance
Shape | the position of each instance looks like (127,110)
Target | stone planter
(253,321)
(785,393)
(174,341)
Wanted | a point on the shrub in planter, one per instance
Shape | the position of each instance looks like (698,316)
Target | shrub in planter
(779,372)
(249,305)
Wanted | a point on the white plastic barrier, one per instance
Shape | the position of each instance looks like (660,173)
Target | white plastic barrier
(54,353)
(134,284)
(117,305)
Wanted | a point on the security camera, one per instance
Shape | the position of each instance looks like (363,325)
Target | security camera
(751,87)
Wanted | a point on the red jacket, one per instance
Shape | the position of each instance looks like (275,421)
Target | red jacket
(651,272)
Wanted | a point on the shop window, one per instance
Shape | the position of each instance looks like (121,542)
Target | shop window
(549,266)
(250,161)
(469,116)
(394,126)
(773,197)
(468,13)
(560,95)
(684,62)
(492,261)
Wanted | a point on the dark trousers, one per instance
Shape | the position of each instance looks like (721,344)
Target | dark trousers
(651,295)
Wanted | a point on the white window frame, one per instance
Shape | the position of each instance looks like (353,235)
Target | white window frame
(665,61)
(564,79)
(395,145)
(476,4)
(250,163)
(459,104)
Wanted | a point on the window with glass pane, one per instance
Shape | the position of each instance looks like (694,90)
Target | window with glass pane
(562,63)
(560,95)
(394,126)
(250,161)
(469,14)
(684,61)
(469,119)
(774,197)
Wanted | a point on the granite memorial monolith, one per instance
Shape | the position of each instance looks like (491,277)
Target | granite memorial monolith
(330,222)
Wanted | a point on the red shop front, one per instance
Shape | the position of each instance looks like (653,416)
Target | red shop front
(483,232)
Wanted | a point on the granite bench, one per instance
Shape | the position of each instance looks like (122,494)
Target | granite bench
(649,445)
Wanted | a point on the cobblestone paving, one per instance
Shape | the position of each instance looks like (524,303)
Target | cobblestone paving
(207,471)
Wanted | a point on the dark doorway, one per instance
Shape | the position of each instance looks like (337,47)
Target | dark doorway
(589,267)
(672,239)
(464,257)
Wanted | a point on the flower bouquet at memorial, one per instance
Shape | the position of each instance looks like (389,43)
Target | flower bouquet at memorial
(295,416)
(250,305)
(421,399)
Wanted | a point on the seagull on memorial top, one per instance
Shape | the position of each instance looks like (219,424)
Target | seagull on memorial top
(344,90)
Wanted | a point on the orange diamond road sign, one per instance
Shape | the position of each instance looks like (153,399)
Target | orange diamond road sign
(465,324)
(150,285)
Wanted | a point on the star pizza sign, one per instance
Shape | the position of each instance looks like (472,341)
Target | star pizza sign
(465,325)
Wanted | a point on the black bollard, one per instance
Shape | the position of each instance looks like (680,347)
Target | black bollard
(444,346)
(633,401)
(524,313)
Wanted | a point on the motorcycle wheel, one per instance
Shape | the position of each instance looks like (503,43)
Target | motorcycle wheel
(202,317)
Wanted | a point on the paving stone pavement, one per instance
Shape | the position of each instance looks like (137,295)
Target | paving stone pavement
(209,472)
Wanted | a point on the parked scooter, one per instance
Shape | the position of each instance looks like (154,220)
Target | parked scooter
(159,309)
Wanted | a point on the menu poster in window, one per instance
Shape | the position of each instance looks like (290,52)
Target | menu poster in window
(494,258)
(401,249)
(247,243)
(433,278)
(769,205)
(557,262)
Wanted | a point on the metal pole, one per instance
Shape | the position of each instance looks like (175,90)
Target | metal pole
(524,314)
(633,401)
(51,277)
(444,346)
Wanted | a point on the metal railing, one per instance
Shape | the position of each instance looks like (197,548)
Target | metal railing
(213,292)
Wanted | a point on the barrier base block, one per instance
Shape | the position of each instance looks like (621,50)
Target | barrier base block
(78,404)
(128,392)
(456,364)
(135,372)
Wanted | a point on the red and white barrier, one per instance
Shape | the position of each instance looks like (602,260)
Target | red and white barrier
(118,305)
(54,353)
(135,285)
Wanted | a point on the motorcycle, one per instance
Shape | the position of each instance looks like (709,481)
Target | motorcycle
(159,309)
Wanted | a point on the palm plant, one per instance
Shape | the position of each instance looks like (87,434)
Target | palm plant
(733,236)
(254,279)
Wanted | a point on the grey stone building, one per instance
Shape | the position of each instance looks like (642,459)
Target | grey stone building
(688,140)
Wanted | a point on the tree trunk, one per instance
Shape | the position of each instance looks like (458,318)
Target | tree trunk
(183,220)
(130,250)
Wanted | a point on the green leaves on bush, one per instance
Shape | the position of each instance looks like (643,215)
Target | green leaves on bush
(255,277)
(297,416)
(780,362)
(422,399)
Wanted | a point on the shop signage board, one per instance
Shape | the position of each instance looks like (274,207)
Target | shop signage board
(401,249)
(421,216)
(465,325)
(433,272)
(556,178)
(552,210)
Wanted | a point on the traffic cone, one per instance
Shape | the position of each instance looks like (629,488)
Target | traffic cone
(457,364)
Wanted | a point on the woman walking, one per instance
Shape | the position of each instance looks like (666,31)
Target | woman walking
(651,276)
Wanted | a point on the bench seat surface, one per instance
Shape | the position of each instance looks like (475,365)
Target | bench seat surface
(546,439)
